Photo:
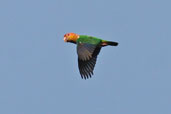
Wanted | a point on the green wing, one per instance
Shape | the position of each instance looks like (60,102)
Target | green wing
(87,49)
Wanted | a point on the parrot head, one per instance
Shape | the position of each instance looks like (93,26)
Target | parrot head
(70,37)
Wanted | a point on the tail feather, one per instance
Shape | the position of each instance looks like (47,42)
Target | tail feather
(111,43)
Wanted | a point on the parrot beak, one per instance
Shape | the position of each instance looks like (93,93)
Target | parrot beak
(65,39)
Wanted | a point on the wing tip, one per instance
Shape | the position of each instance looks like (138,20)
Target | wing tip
(86,76)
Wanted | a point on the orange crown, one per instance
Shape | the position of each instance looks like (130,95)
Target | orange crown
(71,37)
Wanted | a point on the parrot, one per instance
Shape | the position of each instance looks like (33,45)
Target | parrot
(88,48)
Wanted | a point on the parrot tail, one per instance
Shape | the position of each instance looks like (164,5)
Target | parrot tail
(105,43)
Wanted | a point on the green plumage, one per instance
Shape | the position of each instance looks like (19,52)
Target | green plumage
(89,40)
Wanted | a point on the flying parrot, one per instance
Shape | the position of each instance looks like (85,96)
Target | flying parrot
(88,48)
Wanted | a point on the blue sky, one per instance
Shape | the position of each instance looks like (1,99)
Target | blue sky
(39,73)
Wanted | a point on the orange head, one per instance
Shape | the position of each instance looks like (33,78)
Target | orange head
(71,37)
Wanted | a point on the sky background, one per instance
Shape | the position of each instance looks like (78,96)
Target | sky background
(39,73)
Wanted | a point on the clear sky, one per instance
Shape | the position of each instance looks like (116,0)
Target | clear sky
(39,73)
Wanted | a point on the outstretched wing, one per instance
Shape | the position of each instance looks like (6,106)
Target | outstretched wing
(87,56)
